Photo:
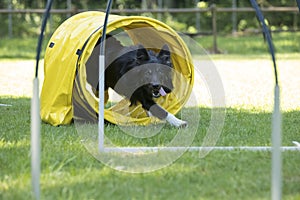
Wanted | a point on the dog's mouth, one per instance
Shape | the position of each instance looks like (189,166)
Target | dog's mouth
(158,91)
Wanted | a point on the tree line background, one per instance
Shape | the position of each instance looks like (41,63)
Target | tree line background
(28,24)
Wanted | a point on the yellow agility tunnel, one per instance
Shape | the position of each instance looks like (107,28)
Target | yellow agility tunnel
(66,94)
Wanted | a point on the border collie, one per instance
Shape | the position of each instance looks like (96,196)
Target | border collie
(140,75)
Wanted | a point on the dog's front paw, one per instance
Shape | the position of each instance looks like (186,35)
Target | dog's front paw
(175,121)
(181,124)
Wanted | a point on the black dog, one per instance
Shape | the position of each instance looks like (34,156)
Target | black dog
(140,75)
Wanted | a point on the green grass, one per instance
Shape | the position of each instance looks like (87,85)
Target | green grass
(70,172)
(20,48)
(253,46)
(286,44)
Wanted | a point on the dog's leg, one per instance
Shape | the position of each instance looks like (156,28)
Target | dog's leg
(175,121)
(159,112)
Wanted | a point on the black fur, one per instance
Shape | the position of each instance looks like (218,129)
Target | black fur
(138,74)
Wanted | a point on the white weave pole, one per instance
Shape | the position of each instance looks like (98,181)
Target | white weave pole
(35,139)
(101,103)
(102,81)
(276,148)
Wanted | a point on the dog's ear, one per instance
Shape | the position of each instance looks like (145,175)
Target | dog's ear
(142,53)
(165,54)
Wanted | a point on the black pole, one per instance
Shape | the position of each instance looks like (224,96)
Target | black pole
(102,45)
(267,36)
(40,40)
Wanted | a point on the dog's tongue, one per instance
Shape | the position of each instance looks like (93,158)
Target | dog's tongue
(162,92)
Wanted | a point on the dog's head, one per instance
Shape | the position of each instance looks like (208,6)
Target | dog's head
(155,71)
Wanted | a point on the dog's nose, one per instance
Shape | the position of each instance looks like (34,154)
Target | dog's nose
(156,86)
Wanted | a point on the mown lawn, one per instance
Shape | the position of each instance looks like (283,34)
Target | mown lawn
(254,45)
(286,45)
(70,172)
